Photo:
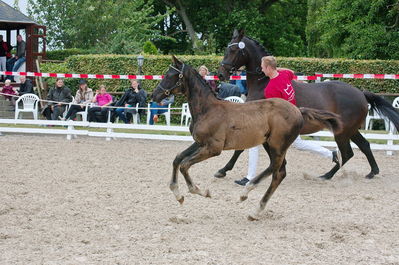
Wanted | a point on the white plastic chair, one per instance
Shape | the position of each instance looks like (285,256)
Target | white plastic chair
(234,99)
(166,114)
(136,116)
(67,106)
(83,114)
(372,116)
(29,104)
(395,104)
(185,115)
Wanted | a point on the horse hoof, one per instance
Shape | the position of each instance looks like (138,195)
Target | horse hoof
(326,177)
(181,200)
(252,218)
(243,198)
(207,194)
(219,175)
(370,175)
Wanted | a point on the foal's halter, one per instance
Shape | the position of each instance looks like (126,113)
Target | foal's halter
(179,82)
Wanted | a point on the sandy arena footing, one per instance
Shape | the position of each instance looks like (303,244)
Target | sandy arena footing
(91,201)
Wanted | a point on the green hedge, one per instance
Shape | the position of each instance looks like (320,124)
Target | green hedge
(59,68)
(63,54)
(158,64)
(310,66)
(122,64)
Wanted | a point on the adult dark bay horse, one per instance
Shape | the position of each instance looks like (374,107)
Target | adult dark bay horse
(335,96)
(221,125)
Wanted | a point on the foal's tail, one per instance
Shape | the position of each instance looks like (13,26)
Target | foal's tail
(383,107)
(328,119)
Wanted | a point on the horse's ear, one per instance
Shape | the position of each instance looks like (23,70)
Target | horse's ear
(241,33)
(238,34)
(176,61)
(235,33)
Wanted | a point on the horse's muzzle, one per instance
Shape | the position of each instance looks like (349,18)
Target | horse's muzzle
(222,73)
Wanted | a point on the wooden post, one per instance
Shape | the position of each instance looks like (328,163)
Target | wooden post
(39,82)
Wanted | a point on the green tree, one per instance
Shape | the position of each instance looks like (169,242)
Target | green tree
(149,48)
(109,26)
(280,24)
(358,29)
(16,5)
(313,31)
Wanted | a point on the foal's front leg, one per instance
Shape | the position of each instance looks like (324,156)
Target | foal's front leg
(201,154)
(173,185)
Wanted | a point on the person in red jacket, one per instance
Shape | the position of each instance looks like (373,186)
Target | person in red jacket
(5,50)
(280,86)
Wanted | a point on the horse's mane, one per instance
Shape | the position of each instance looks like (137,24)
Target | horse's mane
(260,45)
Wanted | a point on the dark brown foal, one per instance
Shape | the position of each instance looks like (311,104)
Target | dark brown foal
(221,125)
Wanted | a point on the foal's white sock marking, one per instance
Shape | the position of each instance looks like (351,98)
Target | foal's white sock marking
(176,191)
(244,194)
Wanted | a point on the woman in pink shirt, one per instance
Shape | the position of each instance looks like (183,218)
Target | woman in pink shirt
(103,99)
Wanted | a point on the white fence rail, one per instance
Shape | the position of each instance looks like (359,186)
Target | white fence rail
(71,132)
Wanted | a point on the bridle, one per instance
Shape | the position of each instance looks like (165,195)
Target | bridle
(179,82)
(241,52)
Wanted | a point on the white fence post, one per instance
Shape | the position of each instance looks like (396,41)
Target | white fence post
(69,135)
(109,128)
(390,141)
(318,79)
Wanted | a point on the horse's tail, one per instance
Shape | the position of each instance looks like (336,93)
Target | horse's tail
(382,107)
(328,119)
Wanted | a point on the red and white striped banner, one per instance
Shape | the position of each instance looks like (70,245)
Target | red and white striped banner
(239,77)
(363,76)
(140,77)
(209,77)
(91,76)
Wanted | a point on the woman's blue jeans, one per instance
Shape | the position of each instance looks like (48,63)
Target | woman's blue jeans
(122,114)
(156,111)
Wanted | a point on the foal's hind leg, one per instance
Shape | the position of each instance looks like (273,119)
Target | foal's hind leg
(173,185)
(279,173)
(364,146)
(252,185)
(202,153)
(254,182)
(346,153)
(229,166)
